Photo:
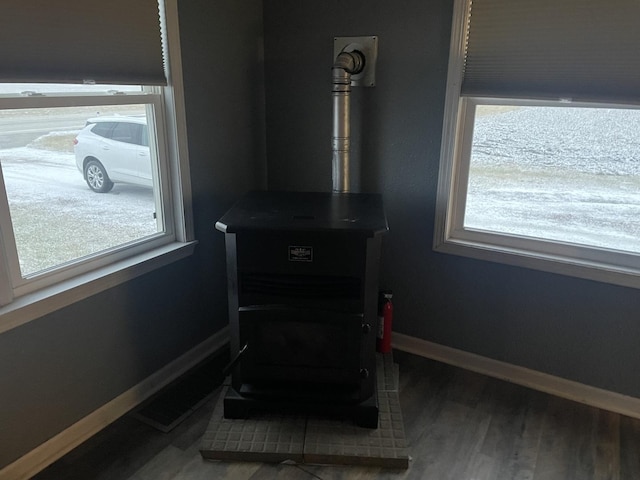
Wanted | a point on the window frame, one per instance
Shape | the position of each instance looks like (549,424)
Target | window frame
(450,235)
(23,301)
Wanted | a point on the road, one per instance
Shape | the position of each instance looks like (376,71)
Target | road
(20,127)
(19,130)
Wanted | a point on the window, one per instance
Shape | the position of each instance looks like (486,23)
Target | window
(539,163)
(103,129)
(94,180)
(128,132)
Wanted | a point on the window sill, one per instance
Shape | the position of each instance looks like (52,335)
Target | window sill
(37,304)
(598,271)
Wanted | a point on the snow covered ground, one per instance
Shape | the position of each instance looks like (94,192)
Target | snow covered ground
(566,174)
(57,218)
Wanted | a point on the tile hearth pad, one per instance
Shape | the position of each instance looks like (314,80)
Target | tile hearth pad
(274,438)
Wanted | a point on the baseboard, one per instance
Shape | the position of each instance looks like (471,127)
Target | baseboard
(42,456)
(595,397)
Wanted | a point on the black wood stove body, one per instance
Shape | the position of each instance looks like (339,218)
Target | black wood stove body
(303,285)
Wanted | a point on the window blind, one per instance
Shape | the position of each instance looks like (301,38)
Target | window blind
(549,49)
(101,41)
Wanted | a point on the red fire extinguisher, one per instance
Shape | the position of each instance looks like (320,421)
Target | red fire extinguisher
(385,321)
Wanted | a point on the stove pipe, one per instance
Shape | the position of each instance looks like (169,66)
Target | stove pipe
(345,65)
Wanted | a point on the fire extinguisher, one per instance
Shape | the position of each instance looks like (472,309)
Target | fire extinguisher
(385,321)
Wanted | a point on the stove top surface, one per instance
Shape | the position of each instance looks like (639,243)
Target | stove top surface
(310,211)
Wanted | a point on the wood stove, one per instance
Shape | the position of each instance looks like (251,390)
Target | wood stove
(302,273)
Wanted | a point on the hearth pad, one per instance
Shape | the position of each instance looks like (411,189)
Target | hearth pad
(310,439)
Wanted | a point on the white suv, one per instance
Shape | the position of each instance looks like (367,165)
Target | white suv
(114,149)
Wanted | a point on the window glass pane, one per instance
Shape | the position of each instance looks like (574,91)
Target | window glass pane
(54,169)
(102,129)
(126,132)
(557,173)
(144,136)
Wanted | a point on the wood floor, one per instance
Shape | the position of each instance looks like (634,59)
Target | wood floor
(459,426)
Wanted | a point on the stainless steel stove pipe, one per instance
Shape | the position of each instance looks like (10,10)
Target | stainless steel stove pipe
(345,65)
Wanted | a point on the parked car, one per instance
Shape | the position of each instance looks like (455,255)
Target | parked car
(113,149)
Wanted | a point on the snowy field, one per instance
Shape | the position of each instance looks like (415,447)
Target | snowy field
(57,218)
(564,174)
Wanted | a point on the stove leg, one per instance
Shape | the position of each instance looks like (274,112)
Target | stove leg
(235,406)
(366,414)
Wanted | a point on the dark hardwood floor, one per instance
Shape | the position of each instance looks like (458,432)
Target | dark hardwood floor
(459,426)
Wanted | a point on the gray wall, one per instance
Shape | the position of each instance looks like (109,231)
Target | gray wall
(581,330)
(59,368)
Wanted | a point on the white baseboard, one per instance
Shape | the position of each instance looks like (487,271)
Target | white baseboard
(595,397)
(51,450)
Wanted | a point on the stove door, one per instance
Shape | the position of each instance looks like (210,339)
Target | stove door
(300,347)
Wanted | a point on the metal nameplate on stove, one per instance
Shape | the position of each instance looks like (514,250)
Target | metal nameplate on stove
(300,254)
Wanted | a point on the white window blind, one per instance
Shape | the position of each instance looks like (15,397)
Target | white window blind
(583,50)
(111,42)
